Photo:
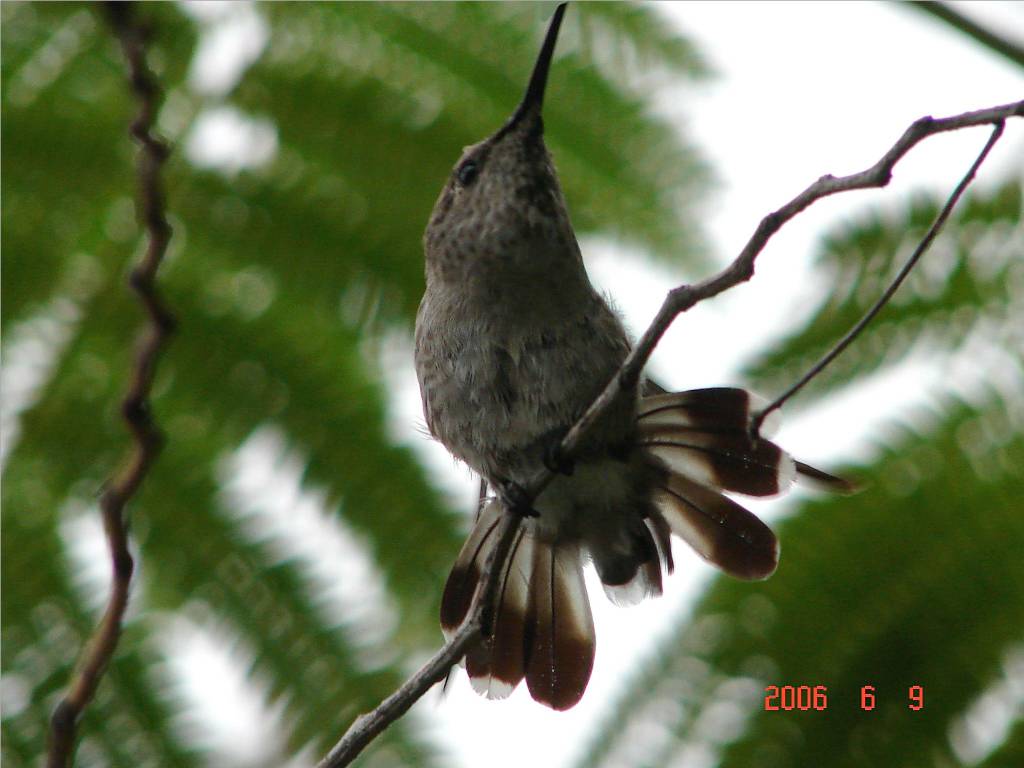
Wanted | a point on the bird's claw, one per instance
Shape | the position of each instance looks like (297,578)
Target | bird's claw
(515,499)
(556,461)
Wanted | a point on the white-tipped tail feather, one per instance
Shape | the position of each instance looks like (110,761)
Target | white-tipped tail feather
(495,668)
(560,639)
(543,628)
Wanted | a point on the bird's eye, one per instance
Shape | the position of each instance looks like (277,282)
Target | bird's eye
(467,173)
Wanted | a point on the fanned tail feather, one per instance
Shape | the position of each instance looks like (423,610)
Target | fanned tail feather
(543,629)
(647,581)
(497,665)
(719,530)
(560,638)
(465,574)
(702,435)
(699,441)
(821,480)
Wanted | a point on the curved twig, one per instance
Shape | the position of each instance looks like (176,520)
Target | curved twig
(146,437)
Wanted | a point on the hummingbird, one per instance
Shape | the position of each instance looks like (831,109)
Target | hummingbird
(512,344)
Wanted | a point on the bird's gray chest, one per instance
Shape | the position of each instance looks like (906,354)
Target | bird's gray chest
(498,383)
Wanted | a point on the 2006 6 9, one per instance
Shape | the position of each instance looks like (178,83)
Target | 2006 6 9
(805,697)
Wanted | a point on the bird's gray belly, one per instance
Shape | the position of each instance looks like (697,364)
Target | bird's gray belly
(498,402)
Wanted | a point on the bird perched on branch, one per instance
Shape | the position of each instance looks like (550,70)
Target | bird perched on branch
(512,345)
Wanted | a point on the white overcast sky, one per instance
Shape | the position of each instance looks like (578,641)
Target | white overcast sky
(804,89)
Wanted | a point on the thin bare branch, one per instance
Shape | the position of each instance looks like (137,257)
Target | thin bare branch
(679,300)
(367,727)
(758,419)
(990,38)
(146,437)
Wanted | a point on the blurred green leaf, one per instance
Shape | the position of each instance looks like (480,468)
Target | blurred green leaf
(44,624)
(190,549)
(68,174)
(1010,753)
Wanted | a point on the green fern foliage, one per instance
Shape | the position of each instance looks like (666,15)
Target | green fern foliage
(285,271)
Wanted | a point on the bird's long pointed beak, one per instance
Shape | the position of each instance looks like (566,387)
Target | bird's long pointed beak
(534,96)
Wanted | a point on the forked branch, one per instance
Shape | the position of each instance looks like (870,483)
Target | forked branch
(146,437)
(368,727)
(758,419)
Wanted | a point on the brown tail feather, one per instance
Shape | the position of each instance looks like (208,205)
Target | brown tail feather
(497,666)
(721,460)
(647,580)
(823,480)
(465,574)
(719,529)
(543,629)
(702,435)
(662,533)
(715,407)
(559,628)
